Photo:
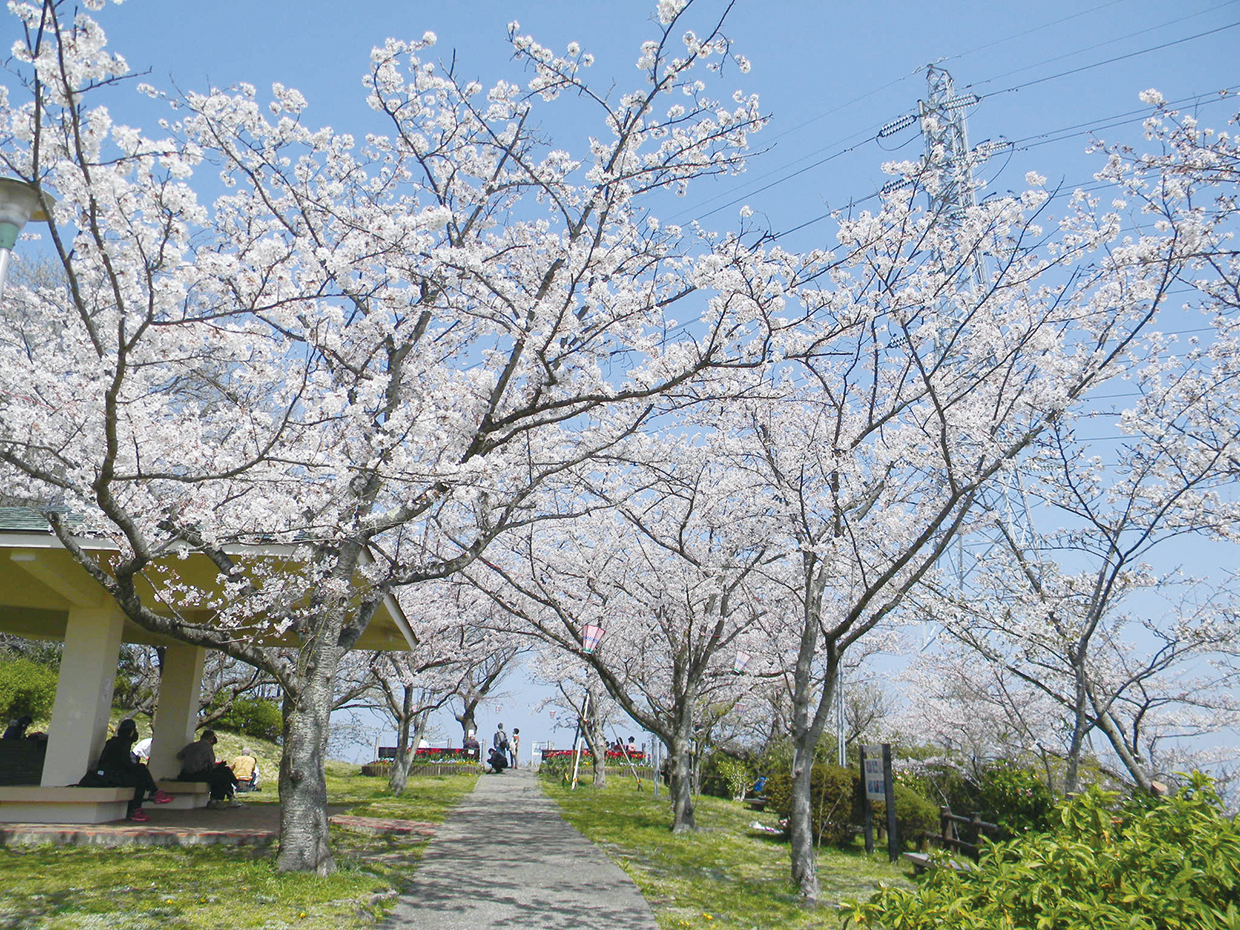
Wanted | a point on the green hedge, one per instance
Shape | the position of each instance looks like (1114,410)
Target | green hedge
(258,718)
(836,811)
(833,792)
(26,688)
(1144,864)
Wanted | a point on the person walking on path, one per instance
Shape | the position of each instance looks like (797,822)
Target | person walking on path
(515,752)
(499,741)
(558,881)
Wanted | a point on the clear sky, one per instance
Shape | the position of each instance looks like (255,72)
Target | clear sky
(830,74)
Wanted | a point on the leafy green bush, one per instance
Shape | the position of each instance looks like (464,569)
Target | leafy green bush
(1016,797)
(736,775)
(253,717)
(914,815)
(832,792)
(1170,864)
(26,687)
(725,776)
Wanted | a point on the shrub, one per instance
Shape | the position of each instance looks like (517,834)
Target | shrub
(725,776)
(1016,797)
(832,791)
(253,717)
(914,815)
(1170,864)
(26,687)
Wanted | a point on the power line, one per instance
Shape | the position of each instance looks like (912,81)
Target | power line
(1015,88)
(1027,143)
(1110,61)
(1097,45)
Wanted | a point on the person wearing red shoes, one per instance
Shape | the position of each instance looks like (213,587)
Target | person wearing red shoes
(117,766)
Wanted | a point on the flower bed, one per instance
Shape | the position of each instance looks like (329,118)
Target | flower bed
(611,757)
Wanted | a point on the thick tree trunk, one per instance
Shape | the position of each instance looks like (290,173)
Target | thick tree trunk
(303,782)
(599,751)
(1080,726)
(808,721)
(800,825)
(596,736)
(467,721)
(681,780)
(404,751)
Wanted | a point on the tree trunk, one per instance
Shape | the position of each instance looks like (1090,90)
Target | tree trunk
(1080,726)
(800,824)
(1106,723)
(807,723)
(468,723)
(404,752)
(596,736)
(681,780)
(600,764)
(303,781)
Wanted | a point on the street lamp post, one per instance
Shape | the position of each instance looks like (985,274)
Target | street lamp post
(19,204)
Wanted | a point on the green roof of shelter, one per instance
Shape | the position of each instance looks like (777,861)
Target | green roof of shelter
(22,520)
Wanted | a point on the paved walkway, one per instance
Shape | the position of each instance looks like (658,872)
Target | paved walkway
(506,859)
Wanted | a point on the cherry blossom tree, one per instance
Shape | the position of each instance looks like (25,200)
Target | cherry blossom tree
(1081,612)
(1087,612)
(919,375)
(666,562)
(373,352)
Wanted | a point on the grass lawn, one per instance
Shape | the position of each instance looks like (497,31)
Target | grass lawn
(722,876)
(233,888)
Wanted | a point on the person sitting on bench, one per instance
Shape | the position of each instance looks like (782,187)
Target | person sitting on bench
(117,766)
(198,764)
(17,728)
(245,770)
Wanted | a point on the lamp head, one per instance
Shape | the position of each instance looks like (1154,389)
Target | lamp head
(19,204)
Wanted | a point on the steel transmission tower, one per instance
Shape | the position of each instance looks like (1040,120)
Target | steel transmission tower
(947,173)
(945,132)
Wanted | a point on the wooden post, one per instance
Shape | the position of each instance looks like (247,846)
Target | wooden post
(867,807)
(889,788)
(632,767)
(576,763)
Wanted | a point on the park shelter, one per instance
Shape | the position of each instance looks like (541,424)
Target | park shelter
(46,595)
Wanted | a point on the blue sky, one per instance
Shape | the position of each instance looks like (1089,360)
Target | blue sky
(830,74)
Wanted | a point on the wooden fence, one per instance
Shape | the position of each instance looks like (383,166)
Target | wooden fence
(384,769)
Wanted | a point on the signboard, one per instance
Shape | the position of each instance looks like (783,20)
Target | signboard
(875,784)
(386,752)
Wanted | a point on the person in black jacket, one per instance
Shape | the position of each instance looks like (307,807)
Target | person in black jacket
(17,728)
(117,766)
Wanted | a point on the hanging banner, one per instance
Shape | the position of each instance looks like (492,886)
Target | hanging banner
(872,774)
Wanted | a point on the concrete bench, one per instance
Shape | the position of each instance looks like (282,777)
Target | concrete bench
(186,795)
(35,804)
